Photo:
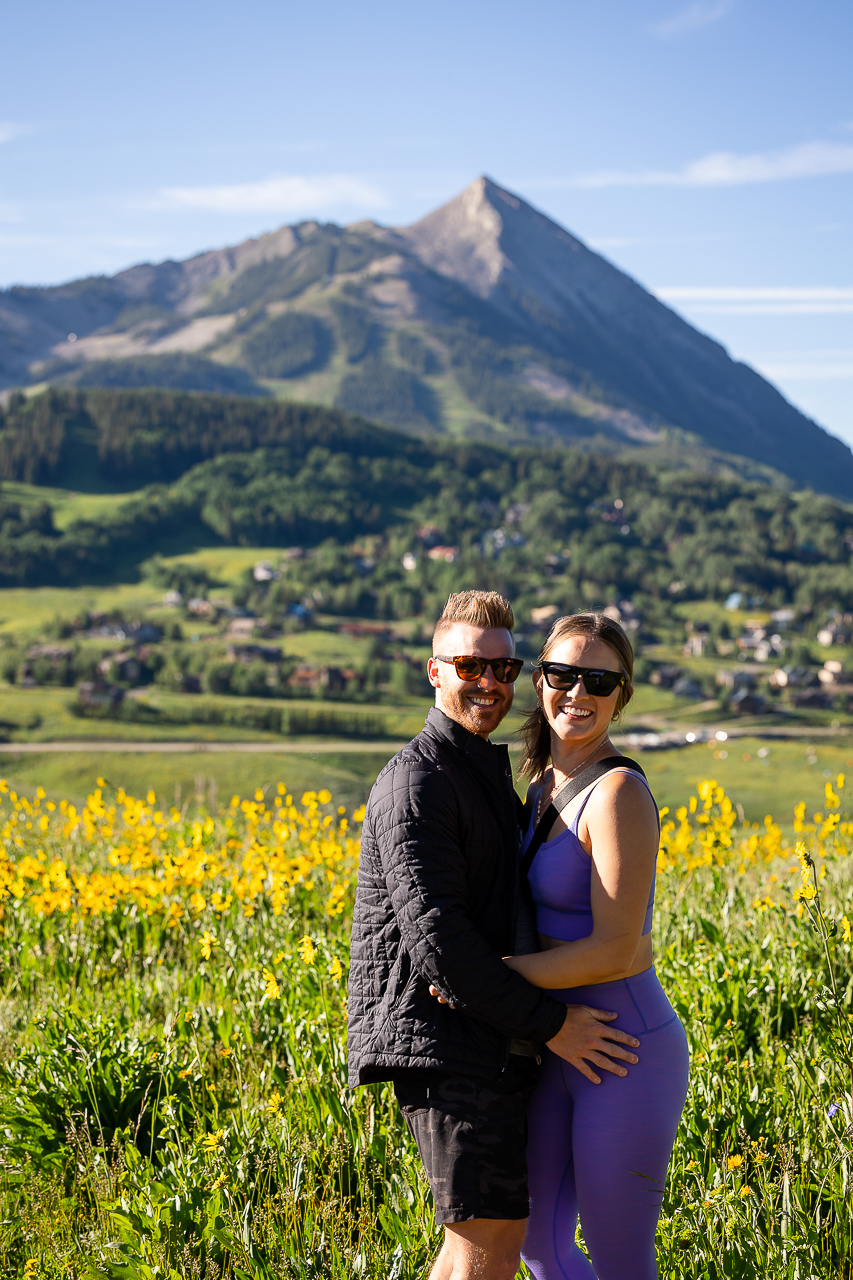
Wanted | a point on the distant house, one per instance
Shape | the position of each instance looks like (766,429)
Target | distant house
(200,608)
(364,631)
(665,675)
(247,653)
(241,628)
(814,699)
(54,653)
(695,645)
(264,572)
(735,678)
(122,666)
(686,687)
(305,679)
(747,703)
(333,679)
(96,695)
(792,677)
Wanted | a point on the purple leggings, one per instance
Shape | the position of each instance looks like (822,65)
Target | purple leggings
(602,1150)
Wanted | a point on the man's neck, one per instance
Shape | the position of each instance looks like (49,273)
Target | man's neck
(484,737)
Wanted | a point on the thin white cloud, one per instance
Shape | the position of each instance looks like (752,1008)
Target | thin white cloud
(627,242)
(699,14)
(802,369)
(288,195)
(727,169)
(759,301)
(9,130)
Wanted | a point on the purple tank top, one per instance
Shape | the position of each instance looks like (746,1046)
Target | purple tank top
(560,880)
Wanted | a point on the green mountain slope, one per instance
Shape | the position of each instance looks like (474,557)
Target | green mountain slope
(383,524)
(483,321)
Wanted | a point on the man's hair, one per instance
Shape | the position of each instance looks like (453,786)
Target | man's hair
(484,609)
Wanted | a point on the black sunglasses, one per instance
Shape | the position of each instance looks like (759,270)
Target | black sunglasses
(506,670)
(596,682)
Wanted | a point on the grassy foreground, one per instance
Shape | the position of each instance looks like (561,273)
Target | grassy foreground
(172,1068)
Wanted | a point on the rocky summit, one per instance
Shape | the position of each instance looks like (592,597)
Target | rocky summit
(484,320)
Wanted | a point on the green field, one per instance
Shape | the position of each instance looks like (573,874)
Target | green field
(790,773)
(173,1093)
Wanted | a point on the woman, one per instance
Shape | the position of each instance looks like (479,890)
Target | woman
(598,1146)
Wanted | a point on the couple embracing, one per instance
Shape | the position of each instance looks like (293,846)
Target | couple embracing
(502,972)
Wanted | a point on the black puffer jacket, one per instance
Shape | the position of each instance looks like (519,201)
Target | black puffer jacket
(436,903)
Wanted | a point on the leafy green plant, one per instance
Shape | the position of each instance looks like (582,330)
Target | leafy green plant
(92,1075)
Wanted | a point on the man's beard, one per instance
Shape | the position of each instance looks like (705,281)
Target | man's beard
(457,706)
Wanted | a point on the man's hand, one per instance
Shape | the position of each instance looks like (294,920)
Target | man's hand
(434,991)
(583,1036)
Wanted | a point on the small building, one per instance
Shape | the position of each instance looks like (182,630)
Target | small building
(735,678)
(305,679)
(247,653)
(812,699)
(97,695)
(241,628)
(747,703)
(686,687)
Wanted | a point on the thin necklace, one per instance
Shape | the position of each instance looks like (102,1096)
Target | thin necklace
(539,805)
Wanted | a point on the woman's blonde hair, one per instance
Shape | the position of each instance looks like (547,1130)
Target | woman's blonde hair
(536,731)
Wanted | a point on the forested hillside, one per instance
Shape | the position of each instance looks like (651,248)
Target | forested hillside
(379,524)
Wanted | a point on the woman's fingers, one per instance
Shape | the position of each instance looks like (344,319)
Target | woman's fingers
(434,991)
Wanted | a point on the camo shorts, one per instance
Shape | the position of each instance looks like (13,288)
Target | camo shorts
(472,1139)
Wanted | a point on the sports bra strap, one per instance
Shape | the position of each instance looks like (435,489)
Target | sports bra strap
(566,795)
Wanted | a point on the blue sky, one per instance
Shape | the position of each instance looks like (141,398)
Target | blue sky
(704,146)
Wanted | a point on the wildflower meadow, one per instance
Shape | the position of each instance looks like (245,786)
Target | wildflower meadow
(172,1045)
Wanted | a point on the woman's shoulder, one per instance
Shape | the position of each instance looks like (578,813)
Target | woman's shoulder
(622,786)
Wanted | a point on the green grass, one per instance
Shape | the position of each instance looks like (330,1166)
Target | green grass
(772,784)
(181,776)
(173,1097)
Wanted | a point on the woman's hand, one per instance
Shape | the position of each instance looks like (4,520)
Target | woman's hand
(434,991)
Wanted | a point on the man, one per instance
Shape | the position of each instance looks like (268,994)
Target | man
(437,907)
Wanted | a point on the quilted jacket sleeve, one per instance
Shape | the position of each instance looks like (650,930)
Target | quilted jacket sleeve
(416,831)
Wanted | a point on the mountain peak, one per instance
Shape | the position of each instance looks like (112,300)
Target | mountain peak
(462,238)
(540,337)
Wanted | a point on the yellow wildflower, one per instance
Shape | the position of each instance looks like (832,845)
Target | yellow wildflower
(209,942)
(735,1162)
(274,1103)
(336,970)
(219,1183)
(744,1191)
(307,950)
(213,1141)
(272,991)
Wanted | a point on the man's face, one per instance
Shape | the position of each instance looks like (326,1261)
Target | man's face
(478,705)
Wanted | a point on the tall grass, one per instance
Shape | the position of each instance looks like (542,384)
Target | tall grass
(172,1062)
